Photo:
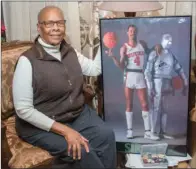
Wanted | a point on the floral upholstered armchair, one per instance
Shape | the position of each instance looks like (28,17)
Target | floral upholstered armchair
(15,152)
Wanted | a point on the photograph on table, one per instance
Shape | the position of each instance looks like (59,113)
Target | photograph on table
(145,75)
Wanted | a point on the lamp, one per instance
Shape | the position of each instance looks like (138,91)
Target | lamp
(130,8)
(135,6)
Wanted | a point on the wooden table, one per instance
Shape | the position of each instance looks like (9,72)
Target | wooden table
(183,165)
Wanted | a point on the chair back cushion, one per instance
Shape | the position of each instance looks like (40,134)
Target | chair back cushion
(10,55)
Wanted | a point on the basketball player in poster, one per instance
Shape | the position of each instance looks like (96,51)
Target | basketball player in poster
(158,75)
(132,58)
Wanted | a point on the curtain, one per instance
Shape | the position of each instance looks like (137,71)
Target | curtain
(3,29)
(21,19)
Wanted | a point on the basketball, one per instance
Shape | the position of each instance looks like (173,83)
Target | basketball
(177,82)
(109,40)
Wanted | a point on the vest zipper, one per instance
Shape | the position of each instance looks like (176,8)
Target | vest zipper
(69,81)
(71,101)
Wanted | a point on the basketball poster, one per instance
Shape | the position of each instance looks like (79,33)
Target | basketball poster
(146,65)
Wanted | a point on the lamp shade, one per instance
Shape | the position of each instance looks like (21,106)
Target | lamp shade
(130,6)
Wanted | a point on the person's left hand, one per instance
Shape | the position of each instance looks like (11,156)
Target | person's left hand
(109,53)
(107,14)
(158,49)
(110,16)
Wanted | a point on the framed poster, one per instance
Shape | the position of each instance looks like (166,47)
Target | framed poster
(145,75)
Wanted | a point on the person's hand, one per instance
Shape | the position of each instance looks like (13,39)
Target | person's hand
(109,53)
(110,16)
(158,49)
(75,140)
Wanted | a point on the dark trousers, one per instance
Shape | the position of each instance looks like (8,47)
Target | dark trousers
(101,138)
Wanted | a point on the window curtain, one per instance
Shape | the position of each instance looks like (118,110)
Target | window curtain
(21,19)
(3,29)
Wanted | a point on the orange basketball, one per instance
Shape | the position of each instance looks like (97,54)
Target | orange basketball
(177,82)
(109,40)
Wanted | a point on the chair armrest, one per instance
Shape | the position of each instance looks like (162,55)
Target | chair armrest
(89,94)
(194,70)
(6,153)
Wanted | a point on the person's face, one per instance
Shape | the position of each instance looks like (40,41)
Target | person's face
(167,43)
(52,27)
(131,32)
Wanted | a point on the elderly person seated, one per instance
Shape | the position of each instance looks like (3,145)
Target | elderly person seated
(49,102)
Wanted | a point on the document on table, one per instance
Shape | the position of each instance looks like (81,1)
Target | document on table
(174,160)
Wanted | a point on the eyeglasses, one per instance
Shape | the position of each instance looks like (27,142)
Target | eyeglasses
(50,24)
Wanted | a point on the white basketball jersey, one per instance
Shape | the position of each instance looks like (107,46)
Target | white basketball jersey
(134,56)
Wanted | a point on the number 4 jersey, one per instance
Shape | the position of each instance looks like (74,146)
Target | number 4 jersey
(134,56)
(133,73)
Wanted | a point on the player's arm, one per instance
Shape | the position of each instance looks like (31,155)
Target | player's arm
(179,70)
(122,57)
(149,70)
(157,48)
(121,63)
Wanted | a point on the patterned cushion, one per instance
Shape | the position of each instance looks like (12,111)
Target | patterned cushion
(193,78)
(24,155)
(193,111)
(9,58)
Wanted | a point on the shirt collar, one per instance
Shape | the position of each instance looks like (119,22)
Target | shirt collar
(64,47)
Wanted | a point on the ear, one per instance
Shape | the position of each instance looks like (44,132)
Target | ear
(38,28)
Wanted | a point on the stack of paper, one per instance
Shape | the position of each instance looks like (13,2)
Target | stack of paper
(174,160)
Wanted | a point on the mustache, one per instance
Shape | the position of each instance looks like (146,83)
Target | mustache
(56,30)
(55,34)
